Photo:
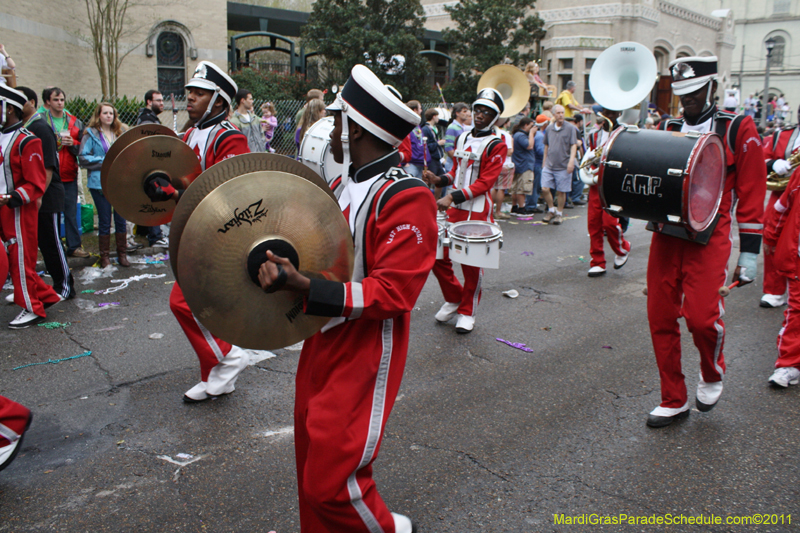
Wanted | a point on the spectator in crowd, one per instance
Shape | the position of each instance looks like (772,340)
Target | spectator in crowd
(52,202)
(547,110)
(315,110)
(435,144)
(524,159)
(649,124)
(248,122)
(526,112)
(23,185)
(750,105)
(462,120)
(560,149)
(269,122)
(104,128)
(414,152)
(567,100)
(538,86)
(313,94)
(68,130)
(153,106)
(506,178)
(5,63)
(576,194)
(532,202)
(731,103)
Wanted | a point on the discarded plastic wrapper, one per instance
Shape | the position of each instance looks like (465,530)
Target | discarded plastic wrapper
(123,283)
(156,336)
(511,293)
(106,304)
(517,345)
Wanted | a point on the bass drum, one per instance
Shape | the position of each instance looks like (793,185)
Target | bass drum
(315,150)
(663,177)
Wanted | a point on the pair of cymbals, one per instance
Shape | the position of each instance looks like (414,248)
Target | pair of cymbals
(224,241)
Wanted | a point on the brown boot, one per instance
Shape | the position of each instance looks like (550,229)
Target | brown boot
(122,249)
(104,242)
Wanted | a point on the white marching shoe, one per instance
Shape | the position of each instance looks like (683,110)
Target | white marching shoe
(465,324)
(772,300)
(785,376)
(707,394)
(10,298)
(403,524)
(596,271)
(222,378)
(620,260)
(196,394)
(447,311)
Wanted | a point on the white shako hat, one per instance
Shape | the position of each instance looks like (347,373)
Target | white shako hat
(692,73)
(492,99)
(375,107)
(12,96)
(210,77)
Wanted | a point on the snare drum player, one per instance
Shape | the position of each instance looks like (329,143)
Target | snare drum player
(683,277)
(472,178)
(213,139)
(777,150)
(349,373)
(598,220)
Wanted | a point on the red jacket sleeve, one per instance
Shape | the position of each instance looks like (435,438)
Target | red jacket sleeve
(405,150)
(491,165)
(230,143)
(401,251)
(29,183)
(750,186)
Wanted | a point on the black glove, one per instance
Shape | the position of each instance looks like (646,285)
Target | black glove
(158,189)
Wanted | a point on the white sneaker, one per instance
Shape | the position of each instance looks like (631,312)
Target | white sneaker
(10,298)
(25,319)
(620,260)
(785,376)
(707,394)
(596,271)
(403,524)
(196,393)
(447,311)
(465,324)
(772,300)
(161,243)
(222,378)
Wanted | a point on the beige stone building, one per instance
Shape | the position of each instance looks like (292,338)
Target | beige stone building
(49,41)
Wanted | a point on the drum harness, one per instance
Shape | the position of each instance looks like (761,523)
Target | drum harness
(475,156)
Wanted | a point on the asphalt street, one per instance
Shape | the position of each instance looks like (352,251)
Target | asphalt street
(484,437)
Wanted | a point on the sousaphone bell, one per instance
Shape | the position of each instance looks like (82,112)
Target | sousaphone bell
(511,83)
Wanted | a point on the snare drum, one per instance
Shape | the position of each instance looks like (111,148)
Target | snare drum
(443,241)
(476,243)
(315,150)
(664,177)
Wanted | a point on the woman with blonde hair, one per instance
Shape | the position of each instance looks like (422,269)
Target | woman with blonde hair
(104,128)
(315,110)
(538,86)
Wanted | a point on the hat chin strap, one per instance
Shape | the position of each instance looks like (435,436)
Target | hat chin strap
(210,107)
(345,146)
(3,123)
(490,126)
(708,98)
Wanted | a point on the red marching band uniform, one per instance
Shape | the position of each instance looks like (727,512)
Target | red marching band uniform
(779,146)
(599,222)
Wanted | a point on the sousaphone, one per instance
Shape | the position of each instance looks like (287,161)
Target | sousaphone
(511,83)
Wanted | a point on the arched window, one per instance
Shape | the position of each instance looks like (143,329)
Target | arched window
(171,61)
(776,58)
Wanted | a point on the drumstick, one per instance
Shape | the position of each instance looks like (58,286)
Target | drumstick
(725,291)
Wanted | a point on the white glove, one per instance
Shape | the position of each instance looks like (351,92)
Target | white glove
(781,166)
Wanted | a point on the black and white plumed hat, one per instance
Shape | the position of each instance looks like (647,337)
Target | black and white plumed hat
(375,107)
(12,96)
(692,73)
(210,77)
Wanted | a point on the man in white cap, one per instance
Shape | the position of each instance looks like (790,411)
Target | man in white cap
(683,275)
(472,178)
(213,139)
(349,373)
(23,183)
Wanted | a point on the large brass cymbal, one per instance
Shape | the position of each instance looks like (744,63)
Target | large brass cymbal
(168,157)
(234,224)
(224,171)
(134,134)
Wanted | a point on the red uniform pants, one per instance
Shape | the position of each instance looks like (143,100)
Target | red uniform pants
(20,226)
(682,281)
(599,223)
(774,283)
(469,295)
(789,335)
(343,399)
(209,349)
(13,420)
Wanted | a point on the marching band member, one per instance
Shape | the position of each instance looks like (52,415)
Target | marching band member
(15,419)
(781,241)
(24,181)
(683,277)
(350,372)
(777,149)
(472,178)
(598,220)
(213,139)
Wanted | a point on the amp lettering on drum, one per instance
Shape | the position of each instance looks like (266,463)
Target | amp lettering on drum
(641,184)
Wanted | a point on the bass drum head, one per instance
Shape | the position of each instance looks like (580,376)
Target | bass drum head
(706,182)
(315,150)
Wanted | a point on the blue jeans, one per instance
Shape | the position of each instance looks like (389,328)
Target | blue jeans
(154,234)
(533,198)
(413,170)
(71,231)
(104,215)
(577,186)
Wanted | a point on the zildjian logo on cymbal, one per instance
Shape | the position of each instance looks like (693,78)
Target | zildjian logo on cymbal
(253,213)
(151,209)
(161,155)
